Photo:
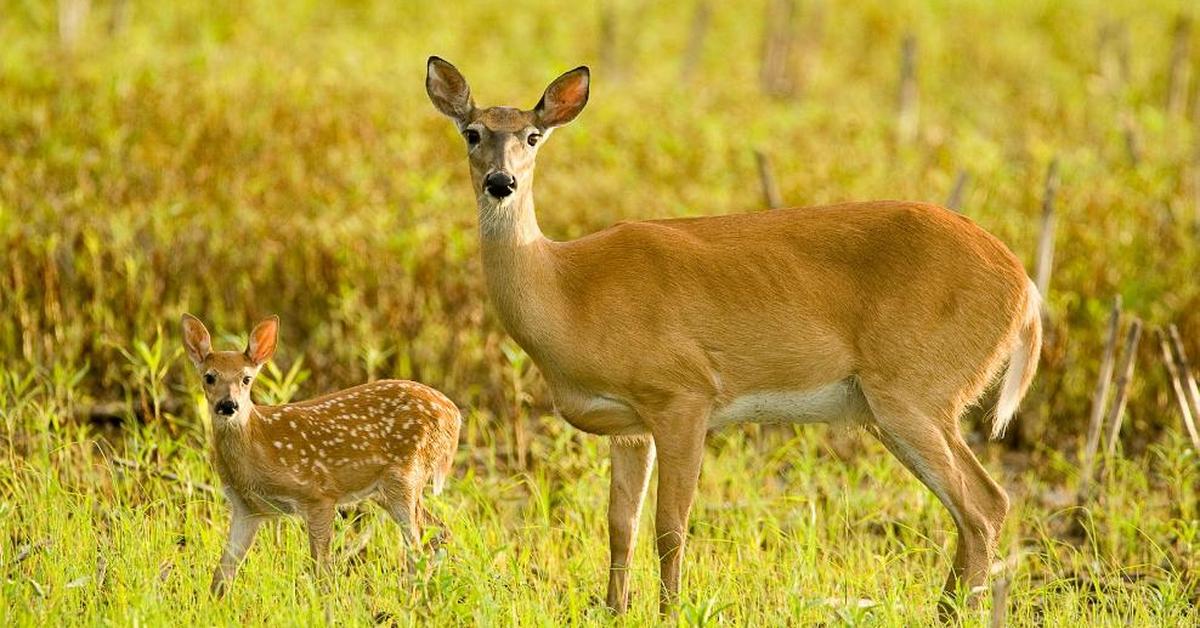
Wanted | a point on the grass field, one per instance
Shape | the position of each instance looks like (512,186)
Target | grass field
(237,159)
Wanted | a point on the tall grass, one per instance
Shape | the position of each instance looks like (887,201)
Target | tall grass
(783,531)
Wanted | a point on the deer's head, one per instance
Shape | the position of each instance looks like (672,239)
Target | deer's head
(502,142)
(228,375)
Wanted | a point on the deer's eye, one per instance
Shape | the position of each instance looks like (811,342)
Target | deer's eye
(534,138)
(472,136)
(210,379)
(246,380)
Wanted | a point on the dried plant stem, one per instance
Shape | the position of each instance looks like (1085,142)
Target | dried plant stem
(954,201)
(1045,250)
(908,109)
(1100,396)
(696,36)
(1116,413)
(766,177)
(1186,375)
(1177,385)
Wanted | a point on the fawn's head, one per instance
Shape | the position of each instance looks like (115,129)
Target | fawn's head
(502,142)
(228,375)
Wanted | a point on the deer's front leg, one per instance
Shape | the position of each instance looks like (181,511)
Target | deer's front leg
(318,519)
(631,463)
(242,528)
(680,445)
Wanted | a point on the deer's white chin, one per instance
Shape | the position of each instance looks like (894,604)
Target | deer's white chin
(235,420)
(496,215)
(487,200)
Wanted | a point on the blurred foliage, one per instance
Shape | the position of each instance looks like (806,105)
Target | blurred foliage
(236,159)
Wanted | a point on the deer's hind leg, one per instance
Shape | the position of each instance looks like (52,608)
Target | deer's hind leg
(400,496)
(929,444)
(428,519)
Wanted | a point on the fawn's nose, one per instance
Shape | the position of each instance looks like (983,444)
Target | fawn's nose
(226,407)
(499,184)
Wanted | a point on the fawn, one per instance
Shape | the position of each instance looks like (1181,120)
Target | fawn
(384,440)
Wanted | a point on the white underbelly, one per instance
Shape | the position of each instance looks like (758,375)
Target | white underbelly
(357,496)
(838,402)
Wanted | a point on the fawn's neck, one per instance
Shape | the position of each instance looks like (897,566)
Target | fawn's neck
(233,439)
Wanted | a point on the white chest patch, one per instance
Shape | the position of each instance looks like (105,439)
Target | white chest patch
(837,402)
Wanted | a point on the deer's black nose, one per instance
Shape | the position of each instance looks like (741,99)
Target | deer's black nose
(499,184)
(226,407)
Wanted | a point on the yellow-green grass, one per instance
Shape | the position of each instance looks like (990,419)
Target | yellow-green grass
(784,531)
(237,159)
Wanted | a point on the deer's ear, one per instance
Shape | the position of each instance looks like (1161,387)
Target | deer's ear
(448,90)
(262,341)
(196,340)
(564,98)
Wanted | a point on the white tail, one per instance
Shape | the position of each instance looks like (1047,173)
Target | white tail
(385,440)
(1022,364)
(890,314)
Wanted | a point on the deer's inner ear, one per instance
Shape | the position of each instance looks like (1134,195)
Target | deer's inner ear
(564,98)
(448,90)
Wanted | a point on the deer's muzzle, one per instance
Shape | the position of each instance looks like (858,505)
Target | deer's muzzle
(499,184)
(226,407)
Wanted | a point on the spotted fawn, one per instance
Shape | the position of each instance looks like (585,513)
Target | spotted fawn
(384,440)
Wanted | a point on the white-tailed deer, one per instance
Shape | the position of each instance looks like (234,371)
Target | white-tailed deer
(385,440)
(893,315)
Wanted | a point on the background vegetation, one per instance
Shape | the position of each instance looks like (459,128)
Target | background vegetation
(237,159)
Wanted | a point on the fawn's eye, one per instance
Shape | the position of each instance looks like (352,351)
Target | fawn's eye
(533,138)
(246,380)
(472,136)
(210,379)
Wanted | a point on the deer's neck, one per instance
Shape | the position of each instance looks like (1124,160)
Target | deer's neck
(233,444)
(519,268)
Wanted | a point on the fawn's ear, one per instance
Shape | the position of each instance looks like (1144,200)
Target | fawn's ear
(448,90)
(564,98)
(196,340)
(262,341)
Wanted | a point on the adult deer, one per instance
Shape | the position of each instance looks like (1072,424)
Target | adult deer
(889,314)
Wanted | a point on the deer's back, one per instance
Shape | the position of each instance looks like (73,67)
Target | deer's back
(341,445)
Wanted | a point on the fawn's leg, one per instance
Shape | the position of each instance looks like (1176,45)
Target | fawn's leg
(318,519)
(243,526)
(401,498)
(426,519)
(631,462)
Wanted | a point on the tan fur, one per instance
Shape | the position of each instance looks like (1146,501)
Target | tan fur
(898,313)
(385,440)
